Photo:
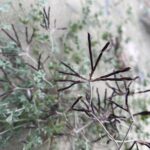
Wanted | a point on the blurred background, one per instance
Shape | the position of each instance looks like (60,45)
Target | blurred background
(102,19)
(126,24)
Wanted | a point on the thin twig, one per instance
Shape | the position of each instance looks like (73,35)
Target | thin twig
(116,72)
(90,51)
(109,135)
(125,136)
(99,57)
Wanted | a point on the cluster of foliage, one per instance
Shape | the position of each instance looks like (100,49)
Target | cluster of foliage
(32,98)
(28,95)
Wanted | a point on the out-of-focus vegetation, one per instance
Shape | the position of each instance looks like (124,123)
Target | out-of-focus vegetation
(30,99)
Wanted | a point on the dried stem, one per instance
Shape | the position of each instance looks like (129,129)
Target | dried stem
(90,51)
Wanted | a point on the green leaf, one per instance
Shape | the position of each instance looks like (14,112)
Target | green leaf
(10,118)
